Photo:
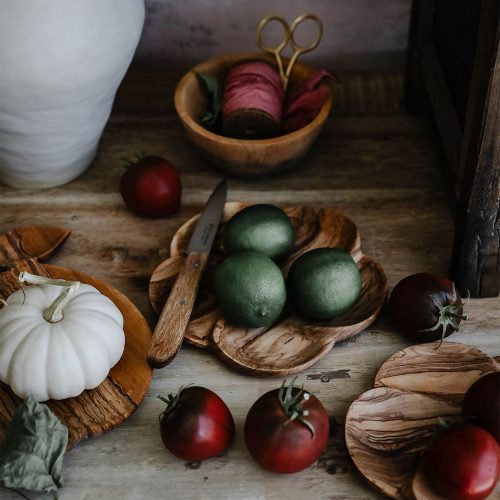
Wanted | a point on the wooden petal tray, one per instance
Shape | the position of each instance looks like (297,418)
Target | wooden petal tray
(293,344)
(389,428)
(108,405)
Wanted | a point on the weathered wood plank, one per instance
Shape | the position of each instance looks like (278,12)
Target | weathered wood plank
(152,89)
(386,157)
(471,148)
(485,55)
(380,171)
(477,244)
(443,110)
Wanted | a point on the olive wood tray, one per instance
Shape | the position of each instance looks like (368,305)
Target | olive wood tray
(112,402)
(389,428)
(293,343)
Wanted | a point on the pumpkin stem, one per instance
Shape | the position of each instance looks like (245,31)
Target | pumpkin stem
(54,313)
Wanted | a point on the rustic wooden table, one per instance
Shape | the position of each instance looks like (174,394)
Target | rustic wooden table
(373,163)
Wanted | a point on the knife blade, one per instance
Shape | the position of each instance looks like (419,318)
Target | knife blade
(169,331)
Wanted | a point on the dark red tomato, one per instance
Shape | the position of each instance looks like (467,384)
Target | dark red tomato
(463,463)
(482,401)
(286,429)
(425,307)
(151,187)
(196,424)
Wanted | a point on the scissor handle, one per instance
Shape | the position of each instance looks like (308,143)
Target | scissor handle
(289,36)
(276,51)
(300,49)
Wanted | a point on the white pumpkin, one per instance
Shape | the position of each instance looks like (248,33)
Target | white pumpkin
(54,344)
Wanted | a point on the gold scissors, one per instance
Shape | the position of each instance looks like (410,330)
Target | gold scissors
(289,37)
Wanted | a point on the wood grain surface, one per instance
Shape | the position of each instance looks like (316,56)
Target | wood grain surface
(389,428)
(477,243)
(97,410)
(37,242)
(443,372)
(292,344)
(371,162)
(422,489)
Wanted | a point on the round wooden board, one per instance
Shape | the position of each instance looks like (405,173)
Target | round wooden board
(111,403)
(444,372)
(389,428)
(293,344)
(387,431)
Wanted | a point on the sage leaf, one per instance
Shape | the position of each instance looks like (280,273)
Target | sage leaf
(32,455)
(213,89)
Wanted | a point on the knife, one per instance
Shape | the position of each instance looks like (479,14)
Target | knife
(169,331)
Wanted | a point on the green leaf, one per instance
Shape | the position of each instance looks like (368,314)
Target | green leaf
(213,88)
(32,455)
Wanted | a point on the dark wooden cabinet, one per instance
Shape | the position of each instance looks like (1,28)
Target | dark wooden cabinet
(453,71)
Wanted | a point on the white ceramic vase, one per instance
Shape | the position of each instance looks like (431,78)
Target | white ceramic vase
(61,62)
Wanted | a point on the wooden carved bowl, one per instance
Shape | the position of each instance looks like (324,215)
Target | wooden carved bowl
(244,158)
(293,343)
(389,428)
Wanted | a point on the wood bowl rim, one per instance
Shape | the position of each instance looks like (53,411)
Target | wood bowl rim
(191,124)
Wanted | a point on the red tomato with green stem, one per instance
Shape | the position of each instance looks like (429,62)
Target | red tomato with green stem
(286,429)
(463,463)
(151,187)
(196,424)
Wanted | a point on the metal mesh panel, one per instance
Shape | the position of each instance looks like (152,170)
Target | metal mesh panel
(454,35)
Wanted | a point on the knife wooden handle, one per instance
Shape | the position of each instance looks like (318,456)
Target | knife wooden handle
(169,331)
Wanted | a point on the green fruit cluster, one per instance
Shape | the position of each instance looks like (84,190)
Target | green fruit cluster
(249,286)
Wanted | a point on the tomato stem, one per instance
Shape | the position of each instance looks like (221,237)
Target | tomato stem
(171,400)
(458,316)
(448,314)
(137,156)
(292,404)
(442,423)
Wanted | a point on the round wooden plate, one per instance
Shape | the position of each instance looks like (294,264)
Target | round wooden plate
(108,405)
(443,371)
(389,428)
(387,431)
(293,344)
